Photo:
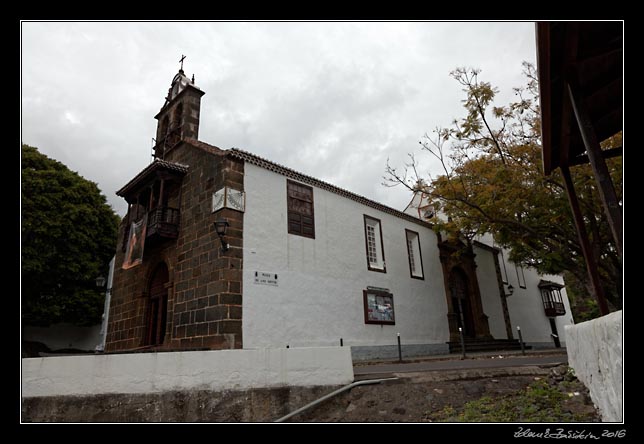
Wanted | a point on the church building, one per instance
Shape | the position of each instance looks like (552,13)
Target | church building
(223,249)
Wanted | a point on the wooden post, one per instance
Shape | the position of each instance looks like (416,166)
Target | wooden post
(597,162)
(591,265)
(150,203)
(161,193)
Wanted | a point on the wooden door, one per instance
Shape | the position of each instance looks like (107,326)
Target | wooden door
(461,302)
(157,306)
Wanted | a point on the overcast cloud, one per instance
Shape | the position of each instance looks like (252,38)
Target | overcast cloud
(332,100)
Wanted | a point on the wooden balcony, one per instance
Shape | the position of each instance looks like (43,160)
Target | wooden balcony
(553,308)
(163,223)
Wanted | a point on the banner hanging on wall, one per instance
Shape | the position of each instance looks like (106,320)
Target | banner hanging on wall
(135,243)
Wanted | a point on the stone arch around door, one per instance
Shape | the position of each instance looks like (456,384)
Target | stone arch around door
(462,293)
(156,315)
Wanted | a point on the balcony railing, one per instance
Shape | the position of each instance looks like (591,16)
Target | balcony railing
(163,222)
(554,308)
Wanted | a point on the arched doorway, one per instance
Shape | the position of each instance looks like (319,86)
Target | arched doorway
(157,306)
(461,302)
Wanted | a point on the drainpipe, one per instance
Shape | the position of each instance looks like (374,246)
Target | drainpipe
(331,395)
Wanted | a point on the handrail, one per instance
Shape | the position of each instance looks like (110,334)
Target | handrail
(331,395)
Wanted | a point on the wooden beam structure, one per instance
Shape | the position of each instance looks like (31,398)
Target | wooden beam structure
(597,161)
(591,264)
(580,66)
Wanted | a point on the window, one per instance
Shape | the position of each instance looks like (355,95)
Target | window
(373,243)
(300,209)
(552,300)
(378,307)
(504,271)
(520,275)
(178,115)
(413,253)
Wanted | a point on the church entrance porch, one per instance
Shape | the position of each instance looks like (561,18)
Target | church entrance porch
(458,290)
(462,294)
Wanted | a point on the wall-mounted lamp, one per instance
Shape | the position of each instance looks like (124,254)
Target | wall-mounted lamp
(100,281)
(510,291)
(221,226)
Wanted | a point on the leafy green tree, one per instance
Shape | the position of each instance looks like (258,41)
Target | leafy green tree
(492,181)
(68,238)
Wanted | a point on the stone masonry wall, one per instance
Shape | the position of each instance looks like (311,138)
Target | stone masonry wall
(207,311)
(204,288)
(126,326)
(252,405)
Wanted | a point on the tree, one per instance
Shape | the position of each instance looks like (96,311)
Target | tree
(68,238)
(492,182)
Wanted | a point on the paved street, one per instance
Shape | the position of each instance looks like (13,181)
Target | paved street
(458,364)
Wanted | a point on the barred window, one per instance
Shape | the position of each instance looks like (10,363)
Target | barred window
(373,243)
(413,253)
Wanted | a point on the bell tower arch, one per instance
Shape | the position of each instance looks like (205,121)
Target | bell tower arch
(178,118)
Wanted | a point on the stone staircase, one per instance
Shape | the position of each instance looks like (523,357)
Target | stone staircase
(484,345)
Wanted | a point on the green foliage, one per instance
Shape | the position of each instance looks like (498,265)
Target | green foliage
(68,238)
(492,182)
(539,402)
(583,307)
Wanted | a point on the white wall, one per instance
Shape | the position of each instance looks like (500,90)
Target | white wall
(489,288)
(595,353)
(202,370)
(525,305)
(319,298)
(526,308)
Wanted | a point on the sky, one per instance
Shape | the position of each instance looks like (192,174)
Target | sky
(334,100)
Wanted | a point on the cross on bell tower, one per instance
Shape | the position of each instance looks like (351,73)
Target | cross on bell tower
(181,61)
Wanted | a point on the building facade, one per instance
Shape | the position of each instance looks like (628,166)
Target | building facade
(301,263)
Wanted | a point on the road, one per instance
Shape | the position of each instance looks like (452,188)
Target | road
(458,364)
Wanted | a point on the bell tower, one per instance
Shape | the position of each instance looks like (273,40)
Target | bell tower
(178,118)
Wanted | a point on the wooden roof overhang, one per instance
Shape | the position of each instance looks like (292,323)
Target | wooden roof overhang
(587,56)
(157,169)
(580,67)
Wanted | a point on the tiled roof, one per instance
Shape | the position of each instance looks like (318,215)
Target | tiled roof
(158,164)
(204,146)
(292,174)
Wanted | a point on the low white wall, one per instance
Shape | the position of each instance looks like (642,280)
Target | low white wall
(204,370)
(595,353)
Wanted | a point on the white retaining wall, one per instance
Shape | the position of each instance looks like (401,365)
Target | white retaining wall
(203,370)
(595,353)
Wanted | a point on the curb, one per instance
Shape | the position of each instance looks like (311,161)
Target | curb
(461,374)
(457,356)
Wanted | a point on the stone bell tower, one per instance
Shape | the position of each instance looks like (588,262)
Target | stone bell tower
(178,119)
